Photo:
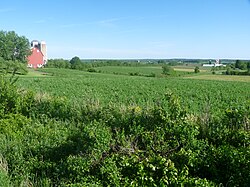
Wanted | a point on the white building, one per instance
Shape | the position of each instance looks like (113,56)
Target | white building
(216,64)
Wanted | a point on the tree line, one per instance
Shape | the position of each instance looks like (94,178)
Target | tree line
(240,67)
(77,63)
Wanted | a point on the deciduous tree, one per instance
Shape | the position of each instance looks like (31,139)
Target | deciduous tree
(14,47)
(197,69)
(167,70)
(75,62)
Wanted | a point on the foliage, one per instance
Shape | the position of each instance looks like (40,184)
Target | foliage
(239,68)
(76,63)
(13,100)
(47,140)
(58,63)
(14,47)
(196,69)
(241,65)
(4,178)
(12,67)
(230,71)
(167,70)
(14,50)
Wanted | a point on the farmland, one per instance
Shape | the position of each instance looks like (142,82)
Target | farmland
(222,78)
(141,91)
(117,127)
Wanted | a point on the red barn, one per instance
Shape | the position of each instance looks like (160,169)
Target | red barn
(35,60)
(38,57)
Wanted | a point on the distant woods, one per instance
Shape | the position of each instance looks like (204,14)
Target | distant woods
(234,67)
(239,68)
(77,63)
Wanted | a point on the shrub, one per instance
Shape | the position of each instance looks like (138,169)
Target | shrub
(167,70)
(91,70)
(197,69)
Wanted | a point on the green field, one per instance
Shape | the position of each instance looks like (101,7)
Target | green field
(222,78)
(124,70)
(63,127)
(142,91)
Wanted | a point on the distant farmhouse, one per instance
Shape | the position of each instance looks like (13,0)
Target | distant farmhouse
(216,64)
(38,57)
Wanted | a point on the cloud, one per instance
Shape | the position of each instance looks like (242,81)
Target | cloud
(161,44)
(71,25)
(108,22)
(5,10)
(102,23)
(40,21)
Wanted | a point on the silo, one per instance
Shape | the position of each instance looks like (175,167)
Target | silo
(44,51)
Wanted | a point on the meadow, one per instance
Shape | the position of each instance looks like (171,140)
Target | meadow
(117,127)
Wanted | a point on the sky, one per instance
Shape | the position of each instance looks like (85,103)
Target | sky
(133,29)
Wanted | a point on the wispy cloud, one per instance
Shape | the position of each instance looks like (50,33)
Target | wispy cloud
(5,10)
(71,25)
(43,20)
(111,22)
(40,21)
(150,17)
(161,44)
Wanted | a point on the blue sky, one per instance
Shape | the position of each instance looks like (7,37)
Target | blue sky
(133,28)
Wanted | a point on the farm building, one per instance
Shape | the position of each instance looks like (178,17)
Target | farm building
(38,57)
(216,64)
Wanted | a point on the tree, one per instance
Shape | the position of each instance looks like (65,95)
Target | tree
(75,62)
(58,63)
(240,65)
(237,64)
(160,61)
(197,69)
(167,70)
(14,47)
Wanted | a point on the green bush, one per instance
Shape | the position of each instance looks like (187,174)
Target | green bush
(13,100)
(167,70)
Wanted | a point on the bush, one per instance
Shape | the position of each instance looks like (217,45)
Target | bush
(167,70)
(91,70)
(196,69)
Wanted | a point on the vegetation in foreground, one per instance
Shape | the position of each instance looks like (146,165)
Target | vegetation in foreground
(50,141)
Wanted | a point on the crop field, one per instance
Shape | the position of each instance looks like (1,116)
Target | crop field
(120,90)
(124,70)
(63,127)
(222,78)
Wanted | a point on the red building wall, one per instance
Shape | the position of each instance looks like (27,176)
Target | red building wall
(35,59)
